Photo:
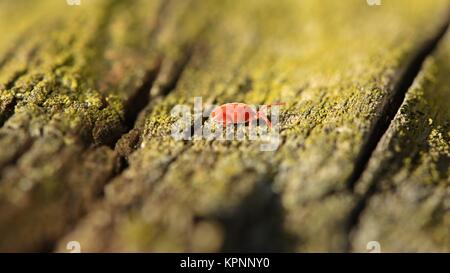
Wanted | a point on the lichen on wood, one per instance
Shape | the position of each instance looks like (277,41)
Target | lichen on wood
(87,152)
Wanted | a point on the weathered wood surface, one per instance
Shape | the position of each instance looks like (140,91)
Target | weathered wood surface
(87,155)
(409,207)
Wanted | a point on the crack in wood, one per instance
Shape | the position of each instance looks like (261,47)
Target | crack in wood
(405,80)
(140,99)
(9,109)
(141,104)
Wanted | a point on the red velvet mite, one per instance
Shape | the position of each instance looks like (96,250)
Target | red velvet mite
(236,112)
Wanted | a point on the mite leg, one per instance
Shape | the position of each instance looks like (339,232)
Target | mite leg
(260,114)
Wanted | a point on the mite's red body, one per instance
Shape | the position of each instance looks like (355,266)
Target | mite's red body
(235,112)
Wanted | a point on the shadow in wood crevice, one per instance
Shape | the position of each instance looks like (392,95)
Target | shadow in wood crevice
(10,106)
(7,111)
(139,100)
(404,81)
(158,83)
(256,225)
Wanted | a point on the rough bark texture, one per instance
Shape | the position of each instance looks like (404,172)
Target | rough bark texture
(87,153)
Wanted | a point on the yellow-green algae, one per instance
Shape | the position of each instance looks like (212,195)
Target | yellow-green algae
(335,73)
(68,86)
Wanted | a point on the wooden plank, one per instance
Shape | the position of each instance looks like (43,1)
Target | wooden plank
(83,109)
(68,104)
(408,207)
(210,196)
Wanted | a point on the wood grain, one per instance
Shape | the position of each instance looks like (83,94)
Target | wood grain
(85,101)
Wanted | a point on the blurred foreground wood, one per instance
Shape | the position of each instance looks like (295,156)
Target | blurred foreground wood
(87,153)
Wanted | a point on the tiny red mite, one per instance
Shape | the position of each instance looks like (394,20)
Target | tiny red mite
(236,112)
